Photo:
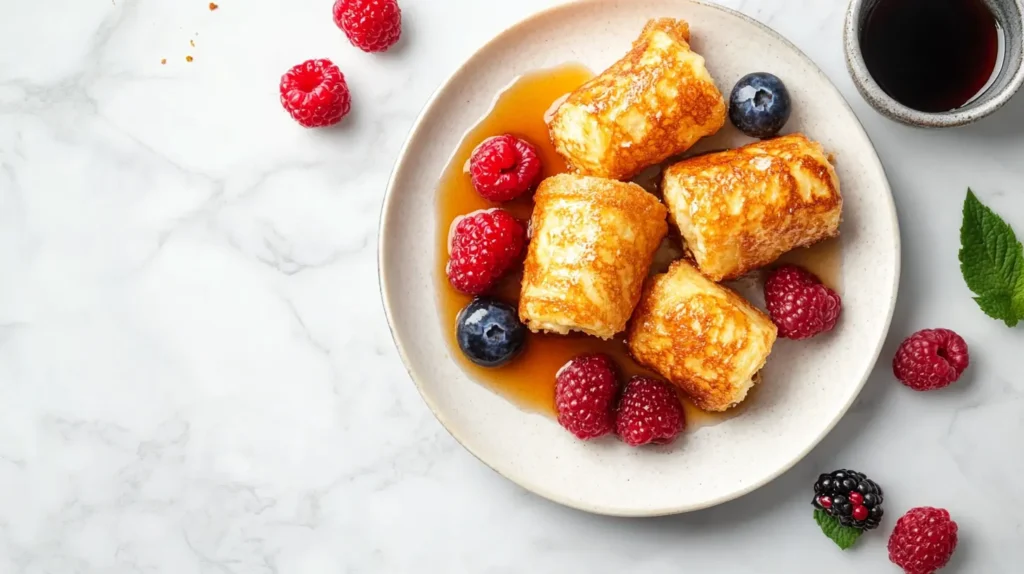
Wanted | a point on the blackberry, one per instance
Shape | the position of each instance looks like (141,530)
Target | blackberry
(851,497)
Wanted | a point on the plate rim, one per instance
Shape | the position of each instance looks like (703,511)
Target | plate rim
(537,488)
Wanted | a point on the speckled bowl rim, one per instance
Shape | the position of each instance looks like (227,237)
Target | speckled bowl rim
(887,106)
(537,488)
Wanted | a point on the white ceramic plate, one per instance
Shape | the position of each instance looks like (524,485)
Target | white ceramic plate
(808,385)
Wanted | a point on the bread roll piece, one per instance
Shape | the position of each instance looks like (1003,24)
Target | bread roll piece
(701,336)
(592,244)
(741,209)
(654,103)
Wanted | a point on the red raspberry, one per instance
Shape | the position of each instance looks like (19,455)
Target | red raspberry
(930,359)
(585,393)
(923,541)
(371,25)
(649,412)
(799,304)
(504,167)
(315,93)
(482,246)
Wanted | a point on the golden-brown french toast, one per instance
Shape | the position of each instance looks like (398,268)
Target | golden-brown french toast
(701,336)
(654,103)
(592,244)
(741,209)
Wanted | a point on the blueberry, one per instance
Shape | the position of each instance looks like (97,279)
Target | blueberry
(489,332)
(759,105)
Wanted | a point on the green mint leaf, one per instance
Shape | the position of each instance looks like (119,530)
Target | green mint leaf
(843,536)
(992,262)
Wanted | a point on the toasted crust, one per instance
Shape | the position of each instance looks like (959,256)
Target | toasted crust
(592,244)
(655,102)
(701,336)
(741,209)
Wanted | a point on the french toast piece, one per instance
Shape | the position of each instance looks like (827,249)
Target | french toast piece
(701,336)
(654,103)
(592,243)
(741,209)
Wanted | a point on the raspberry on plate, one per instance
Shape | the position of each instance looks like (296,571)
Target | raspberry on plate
(585,392)
(504,167)
(649,412)
(315,93)
(930,359)
(483,246)
(923,541)
(371,25)
(800,305)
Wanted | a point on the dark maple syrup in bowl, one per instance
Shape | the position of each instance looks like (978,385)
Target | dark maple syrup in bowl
(529,380)
(930,55)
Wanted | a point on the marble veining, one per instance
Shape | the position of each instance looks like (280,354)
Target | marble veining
(195,371)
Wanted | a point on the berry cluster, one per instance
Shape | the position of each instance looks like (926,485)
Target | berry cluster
(589,405)
(486,245)
(922,542)
(315,92)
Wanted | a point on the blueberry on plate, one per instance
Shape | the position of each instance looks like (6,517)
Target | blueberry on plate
(759,105)
(489,332)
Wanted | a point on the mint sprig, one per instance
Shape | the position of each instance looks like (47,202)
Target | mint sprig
(992,262)
(843,536)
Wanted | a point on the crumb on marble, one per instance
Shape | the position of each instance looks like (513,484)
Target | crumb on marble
(188,58)
(192,43)
(213,6)
(163,61)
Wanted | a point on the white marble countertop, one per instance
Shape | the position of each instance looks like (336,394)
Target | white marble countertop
(195,371)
